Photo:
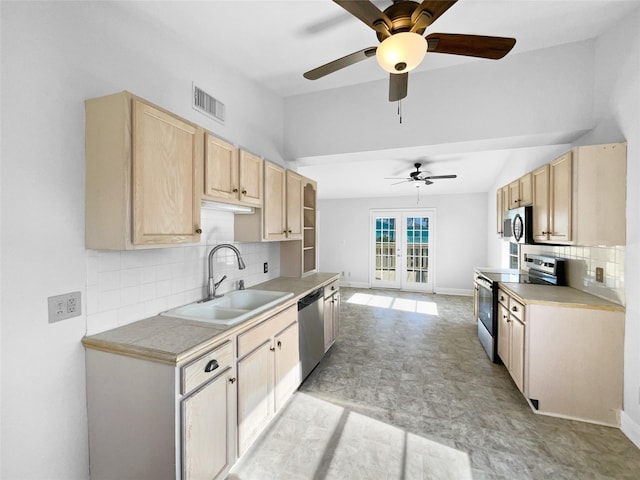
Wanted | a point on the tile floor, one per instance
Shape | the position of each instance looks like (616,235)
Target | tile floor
(407,392)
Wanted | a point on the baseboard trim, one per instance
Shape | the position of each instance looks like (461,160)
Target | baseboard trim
(454,291)
(442,291)
(630,428)
(344,283)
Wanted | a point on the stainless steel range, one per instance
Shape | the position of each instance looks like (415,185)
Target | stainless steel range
(539,269)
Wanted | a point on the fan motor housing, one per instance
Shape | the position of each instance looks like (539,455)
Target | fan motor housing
(400,15)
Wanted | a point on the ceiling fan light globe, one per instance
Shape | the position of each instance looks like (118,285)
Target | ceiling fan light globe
(401,52)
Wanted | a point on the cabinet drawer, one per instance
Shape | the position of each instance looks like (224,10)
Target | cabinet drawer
(503,298)
(259,334)
(516,309)
(204,368)
(331,288)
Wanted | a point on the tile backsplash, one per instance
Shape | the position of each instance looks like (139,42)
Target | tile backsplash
(581,268)
(125,286)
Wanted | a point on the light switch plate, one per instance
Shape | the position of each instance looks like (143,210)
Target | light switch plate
(64,306)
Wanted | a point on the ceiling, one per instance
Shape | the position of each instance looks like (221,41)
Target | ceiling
(274,42)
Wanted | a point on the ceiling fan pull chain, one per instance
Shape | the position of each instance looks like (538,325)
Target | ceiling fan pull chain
(400,110)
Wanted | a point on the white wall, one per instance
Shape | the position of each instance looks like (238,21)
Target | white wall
(123,287)
(460,237)
(475,101)
(54,55)
(617,109)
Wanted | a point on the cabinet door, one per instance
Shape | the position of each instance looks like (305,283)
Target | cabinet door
(516,367)
(287,374)
(255,394)
(526,192)
(251,171)
(514,195)
(499,212)
(540,188)
(274,227)
(560,199)
(221,170)
(336,315)
(503,335)
(208,426)
(294,206)
(328,322)
(167,154)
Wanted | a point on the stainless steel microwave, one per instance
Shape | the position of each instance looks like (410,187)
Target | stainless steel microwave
(518,225)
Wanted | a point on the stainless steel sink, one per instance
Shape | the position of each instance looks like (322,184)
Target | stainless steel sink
(232,308)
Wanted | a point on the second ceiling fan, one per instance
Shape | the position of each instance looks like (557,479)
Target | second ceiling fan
(400,28)
(420,176)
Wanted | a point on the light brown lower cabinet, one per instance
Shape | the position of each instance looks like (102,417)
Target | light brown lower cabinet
(331,314)
(208,429)
(511,333)
(151,420)
(268,373)
(567,360)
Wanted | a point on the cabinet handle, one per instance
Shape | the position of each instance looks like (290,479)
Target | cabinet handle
(501,298)
(235,190)
(211,366)
(273,349)
(232,380)
(515,309)
(244,192)
(279,344)
(198,230)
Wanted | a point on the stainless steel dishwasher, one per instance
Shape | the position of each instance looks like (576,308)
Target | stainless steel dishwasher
(311,330)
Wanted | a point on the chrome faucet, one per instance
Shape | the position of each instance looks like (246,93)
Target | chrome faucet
(211,285)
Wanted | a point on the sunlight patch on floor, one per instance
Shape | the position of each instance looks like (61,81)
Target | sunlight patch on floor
(394,303)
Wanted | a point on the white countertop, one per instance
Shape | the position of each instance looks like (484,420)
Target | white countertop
(560,296)
(175,340)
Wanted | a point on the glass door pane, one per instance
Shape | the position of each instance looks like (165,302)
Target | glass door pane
(416,275)
(385,249)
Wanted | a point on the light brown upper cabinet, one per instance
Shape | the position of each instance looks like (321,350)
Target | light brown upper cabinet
(281,217)
(560,199)
(231,175)
(499,212)
(275,196)
(294,205)
(519,192)
(143,175)
(552,207)
(580,198)
(540,187)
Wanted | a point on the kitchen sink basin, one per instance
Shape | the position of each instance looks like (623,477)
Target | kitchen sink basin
(232,308)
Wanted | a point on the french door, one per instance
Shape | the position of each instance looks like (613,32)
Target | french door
(402,249)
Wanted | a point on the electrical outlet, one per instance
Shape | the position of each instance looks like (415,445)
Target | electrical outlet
(266,267)
(599,274)
(64,306)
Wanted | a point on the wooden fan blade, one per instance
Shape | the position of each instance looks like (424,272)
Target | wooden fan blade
(404,181)
(368,13)
(340,63)
(398,86)
(428,12)
(434,177)
(428,182)
(480,46)
(398,178)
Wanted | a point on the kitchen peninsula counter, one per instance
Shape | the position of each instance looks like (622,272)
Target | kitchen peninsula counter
(174,340)
(559,296)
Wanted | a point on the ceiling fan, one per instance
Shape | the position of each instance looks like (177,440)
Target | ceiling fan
(419,176)
(400,28)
